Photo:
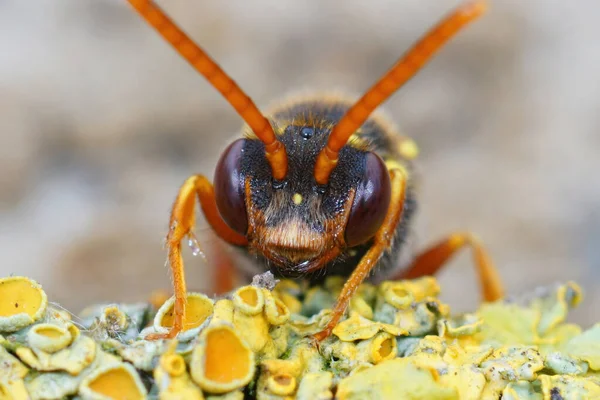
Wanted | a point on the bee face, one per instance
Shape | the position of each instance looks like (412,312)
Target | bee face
(296,224)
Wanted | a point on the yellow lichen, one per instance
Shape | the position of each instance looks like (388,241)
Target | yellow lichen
(221,361)
(394,379)
(12,372)
(235,395)
(140,353)
(22,303)
(115,382)
(255,329)
(60,385)
(223,312)
(586,347)
(53,385)
(379,348)
(276,311)
(466,380)
(304,326)
(510,364)
(279,378)
(553,308)
(50,338)
(255,312)
(357,327)
(569,387)
(401,294)
(464,325)
(13,390)
(287,291)
(249,300)
(360,306)
(72,359)
(281,384)
(315,386)
(397,340)
(199,308)
(172,378)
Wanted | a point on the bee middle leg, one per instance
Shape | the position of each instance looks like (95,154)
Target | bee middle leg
(183,218)
(382,242)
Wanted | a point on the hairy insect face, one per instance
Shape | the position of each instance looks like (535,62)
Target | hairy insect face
(296,224)
(293,230)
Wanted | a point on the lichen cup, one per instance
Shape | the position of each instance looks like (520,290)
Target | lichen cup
(22,302)
(198,309)
(114,381)
(222,361)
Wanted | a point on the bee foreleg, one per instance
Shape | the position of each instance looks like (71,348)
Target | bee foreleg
(381,243)
(434,258)
(182,221)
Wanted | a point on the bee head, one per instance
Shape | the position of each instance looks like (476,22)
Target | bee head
(296,223)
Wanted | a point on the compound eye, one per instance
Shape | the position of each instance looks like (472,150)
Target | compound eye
(229,188)
(371,202)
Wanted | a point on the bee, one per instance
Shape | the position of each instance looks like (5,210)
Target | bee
(320,185)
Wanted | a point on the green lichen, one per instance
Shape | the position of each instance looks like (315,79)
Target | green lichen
(397,340)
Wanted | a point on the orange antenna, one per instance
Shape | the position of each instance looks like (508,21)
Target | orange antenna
(275,150)
(400,73)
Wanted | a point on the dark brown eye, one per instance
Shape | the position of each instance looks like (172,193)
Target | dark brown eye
(371,202)
(229,188)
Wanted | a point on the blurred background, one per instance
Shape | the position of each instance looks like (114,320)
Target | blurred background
(101,122)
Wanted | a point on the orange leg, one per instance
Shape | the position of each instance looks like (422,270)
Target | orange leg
(382,242)
(181,224)
(431,260)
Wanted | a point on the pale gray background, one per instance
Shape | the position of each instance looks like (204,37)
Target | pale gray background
(100,122)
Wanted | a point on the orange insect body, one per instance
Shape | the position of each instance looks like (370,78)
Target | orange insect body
(304,196)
